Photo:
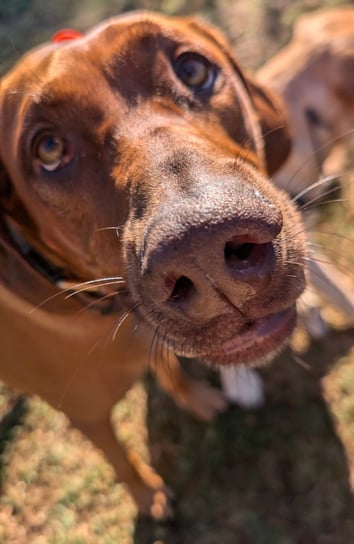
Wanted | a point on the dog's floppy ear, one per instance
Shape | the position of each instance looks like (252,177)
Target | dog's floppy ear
(269,107)
(5,187)
(274,125)
(4,184)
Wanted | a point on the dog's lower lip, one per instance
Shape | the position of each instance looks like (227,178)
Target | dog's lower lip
(262,338)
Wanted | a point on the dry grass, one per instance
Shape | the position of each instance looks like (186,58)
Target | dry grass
(283,475)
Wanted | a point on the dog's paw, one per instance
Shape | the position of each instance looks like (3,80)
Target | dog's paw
(161,508)
(203,401)
(155,503)
(152,497)
(242,386)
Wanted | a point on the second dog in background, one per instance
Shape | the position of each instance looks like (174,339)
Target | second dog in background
(314,75)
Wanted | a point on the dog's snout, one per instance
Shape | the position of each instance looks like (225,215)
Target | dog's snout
(198,270)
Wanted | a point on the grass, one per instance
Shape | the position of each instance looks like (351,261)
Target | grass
(281,475)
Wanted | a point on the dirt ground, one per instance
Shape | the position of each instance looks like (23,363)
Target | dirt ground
(280,475)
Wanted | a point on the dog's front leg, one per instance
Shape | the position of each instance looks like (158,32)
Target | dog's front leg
(145,485)
(195,396)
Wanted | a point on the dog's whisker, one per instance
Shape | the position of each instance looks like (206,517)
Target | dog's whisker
(297,263)
(340,266)
(166,349)
(248,142)
(307,206)
(309,229)
(104,338)
(324,248)
(67,287)
(327,233)
(318,258)
(166,361)
(74,285)
(279,127)
(107,228)
(319,197)
(300,362)
(328,144)
(108,278)
(322,181)
(97,285)
(346,271)
(157,351)
(305,267)
(116,229)
(151,361)
(100,300)
(121,320)
(328,251)
(314,244)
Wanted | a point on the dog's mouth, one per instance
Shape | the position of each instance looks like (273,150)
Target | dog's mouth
(257,344)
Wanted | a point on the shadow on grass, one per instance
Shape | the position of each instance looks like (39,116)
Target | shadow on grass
(13,417)
(278,475)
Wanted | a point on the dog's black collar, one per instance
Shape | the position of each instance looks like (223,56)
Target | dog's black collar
(51,273)
(94,300)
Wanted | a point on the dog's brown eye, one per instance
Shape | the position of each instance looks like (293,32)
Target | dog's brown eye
(51,151)
(195,71)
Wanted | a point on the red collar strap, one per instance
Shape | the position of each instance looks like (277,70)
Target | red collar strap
(66,34)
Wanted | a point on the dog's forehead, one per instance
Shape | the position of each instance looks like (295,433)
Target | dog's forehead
(53,72)
(131,28)
(122,35)
(138,40)
(113,39)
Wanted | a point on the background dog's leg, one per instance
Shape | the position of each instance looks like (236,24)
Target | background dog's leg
(310,314)
(332,283)
(198,397)
(242,386)
(147,488)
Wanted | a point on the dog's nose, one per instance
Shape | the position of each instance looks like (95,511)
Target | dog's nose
(200,267)
(236,272)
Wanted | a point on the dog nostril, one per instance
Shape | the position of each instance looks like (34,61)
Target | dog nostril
(240,255)
(238,252)
(182,289)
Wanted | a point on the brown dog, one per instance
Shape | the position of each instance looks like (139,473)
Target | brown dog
(146,128)
(314,76)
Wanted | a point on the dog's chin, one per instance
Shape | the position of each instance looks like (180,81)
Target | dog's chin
(257,344)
